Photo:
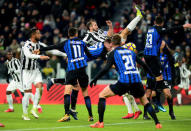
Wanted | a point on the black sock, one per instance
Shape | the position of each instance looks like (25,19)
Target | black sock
(88,105)
(101,108)
(170,104)
(154,99)
(152,112)
(59,80)
(145,110)
(74,97)
(67,103)
(158,98)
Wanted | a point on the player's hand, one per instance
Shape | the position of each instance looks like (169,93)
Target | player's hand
(93,83)
(187,25)
(44,57)
(36,52)
(109,23)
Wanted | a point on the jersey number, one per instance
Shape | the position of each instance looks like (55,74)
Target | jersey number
(149,41)
(77,51)
(128,62)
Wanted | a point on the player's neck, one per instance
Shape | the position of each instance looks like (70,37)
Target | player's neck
(33,40)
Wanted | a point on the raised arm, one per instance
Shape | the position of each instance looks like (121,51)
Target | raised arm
(110,31)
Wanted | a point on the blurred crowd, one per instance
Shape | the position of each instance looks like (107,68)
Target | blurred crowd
(54,17)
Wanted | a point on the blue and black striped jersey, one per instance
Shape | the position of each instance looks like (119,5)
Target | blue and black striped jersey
(153,42)
(75,49)
(125,64)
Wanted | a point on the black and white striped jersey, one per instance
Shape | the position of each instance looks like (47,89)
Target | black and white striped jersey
(92,38)
(28,59)
(14,69)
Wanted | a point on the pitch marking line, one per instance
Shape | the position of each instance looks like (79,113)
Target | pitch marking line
(81,126)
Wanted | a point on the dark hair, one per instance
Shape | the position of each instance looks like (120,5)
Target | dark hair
(89,23)
(108,39)
(72,31)
(116,39)
(32,31)
(159,20)
(9,51)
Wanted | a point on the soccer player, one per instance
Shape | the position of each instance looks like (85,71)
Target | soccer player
(31,73)
(14,70)
(185,81)
(152,51)
(167,63)
(129,80)
(76,73)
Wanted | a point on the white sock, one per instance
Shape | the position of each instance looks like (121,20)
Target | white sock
(25,102)
(131,26)
(179,98)
(32,97)
(189,92)
(10,101)
(36,98)
(128,104)
(134,104)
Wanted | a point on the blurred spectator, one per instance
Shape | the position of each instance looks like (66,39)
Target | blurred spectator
(48,71)
(53,63)
(117,27)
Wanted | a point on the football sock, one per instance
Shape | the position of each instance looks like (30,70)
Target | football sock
(131,26)
(10,101)
(128,104)
(36,98)
(134,104)
(25,102)
(179,98)
(145,110)
(152,112)
(101,108)
(88,105)
(67,103)
(74,97)
(170,104)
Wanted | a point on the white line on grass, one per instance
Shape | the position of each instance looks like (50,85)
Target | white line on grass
(81,126)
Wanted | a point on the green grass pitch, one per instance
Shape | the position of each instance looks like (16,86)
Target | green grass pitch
(113,122)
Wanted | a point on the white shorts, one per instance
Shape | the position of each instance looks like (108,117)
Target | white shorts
(185,84)
(13,85)
(30,77)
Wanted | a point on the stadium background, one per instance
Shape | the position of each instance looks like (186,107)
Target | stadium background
(54,17)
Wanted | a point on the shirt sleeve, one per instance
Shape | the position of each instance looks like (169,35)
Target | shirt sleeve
(28,53)
(57,46)
(109,63)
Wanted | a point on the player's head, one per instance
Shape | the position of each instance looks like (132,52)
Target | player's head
(35,34)
(73,32)
(108,44)
(92,25)
(9,54)
(159,21)
(116,40)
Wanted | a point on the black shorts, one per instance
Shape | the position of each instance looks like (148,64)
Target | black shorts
(151,84)
(168,83)
(75,76)
(135,89)
(154,64)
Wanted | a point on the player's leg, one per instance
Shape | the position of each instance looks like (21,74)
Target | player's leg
(107,92)
(10,89)
(27,87)
(179,95)
(129,107)
(83,80)
(138,112)
(74,96)
(52,81)
(38,93)
(67,92)
(170,102)
(131,26)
